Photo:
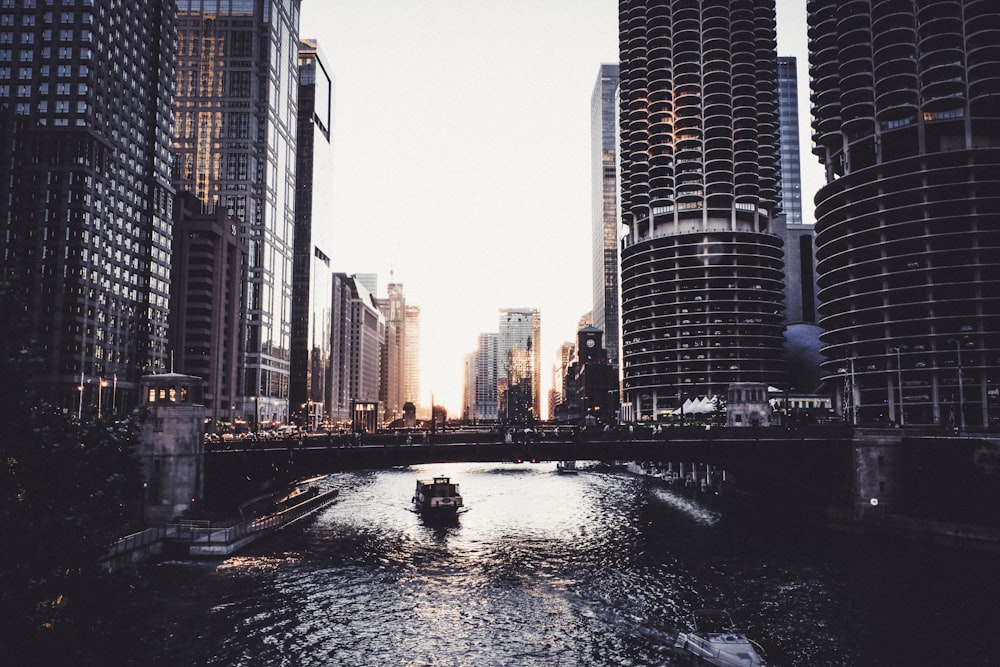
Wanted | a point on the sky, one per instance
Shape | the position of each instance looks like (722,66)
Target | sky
(461,160)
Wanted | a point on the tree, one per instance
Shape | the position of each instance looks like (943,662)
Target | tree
(65,485)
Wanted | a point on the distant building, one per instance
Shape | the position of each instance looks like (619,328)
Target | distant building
(411,362)
(604,191)
(788,129)
(366,338)
(802,334)
(206,302)
(560,395)
(596,380)
(483,390)
(401,363)
(518,364)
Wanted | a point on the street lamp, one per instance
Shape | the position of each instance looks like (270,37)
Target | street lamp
(101,384)
(899,381)
(961,390)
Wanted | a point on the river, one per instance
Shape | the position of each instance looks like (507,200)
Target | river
(597,568)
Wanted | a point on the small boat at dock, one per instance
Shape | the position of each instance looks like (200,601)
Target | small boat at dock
(566,467)
(715,640)
(438,497)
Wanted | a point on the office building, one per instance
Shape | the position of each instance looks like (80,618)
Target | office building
(208,266)
(559,396)
(519,386)
(802,334)
(906,121)
(702,270)
(85,194)
(483,388)
(235,123)
(604,190)
(411,360)
(311,271)
(790,185)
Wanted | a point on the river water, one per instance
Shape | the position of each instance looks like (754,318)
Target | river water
(597,568)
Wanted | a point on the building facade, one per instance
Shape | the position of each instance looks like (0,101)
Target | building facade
(702,270)
(366,338)
(519,386)
(234,147)
(604,190)
(906,121)
(483,403)
(311,271)
(411,361)
(85,194)
(790,186)
(208,275)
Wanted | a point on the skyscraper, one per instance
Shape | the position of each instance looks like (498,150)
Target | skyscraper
(391,391)
(790,186)
(208,269)
(483,390)
(519,383)
(702,270)
(234,146)
(312,287)
(802,343)
(906,120)
(604,190)
(85,194)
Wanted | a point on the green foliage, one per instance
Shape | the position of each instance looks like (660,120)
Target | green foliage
(65,485)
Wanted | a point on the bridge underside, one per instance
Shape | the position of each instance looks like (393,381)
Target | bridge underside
(814,471)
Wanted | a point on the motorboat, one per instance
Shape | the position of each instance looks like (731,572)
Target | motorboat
(716,641)
(438,497)
(566,467)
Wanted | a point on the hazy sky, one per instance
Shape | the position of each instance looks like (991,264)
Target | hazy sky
(461,154)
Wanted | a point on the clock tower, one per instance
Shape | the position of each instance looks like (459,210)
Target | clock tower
(590,345)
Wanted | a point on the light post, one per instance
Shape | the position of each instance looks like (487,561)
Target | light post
(79,388)
(961,390)
(101,384)
(899,381)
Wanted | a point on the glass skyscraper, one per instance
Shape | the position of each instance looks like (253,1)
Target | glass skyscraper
(235,146)
(85,193)
(519,361)
(702,270)
(604,190)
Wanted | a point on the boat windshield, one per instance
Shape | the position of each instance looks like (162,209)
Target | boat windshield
(712,621)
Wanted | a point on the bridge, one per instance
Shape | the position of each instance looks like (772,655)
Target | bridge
(813,466)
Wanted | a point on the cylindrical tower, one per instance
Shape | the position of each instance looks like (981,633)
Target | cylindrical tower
(906,120)
(702,273)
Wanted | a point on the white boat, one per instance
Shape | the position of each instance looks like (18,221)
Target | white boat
(438,497)
(716,641)
(566,467)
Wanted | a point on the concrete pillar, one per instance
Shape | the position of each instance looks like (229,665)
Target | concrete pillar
(171,446)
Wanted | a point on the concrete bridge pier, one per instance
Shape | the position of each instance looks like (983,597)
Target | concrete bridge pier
(878,460)
(171,446)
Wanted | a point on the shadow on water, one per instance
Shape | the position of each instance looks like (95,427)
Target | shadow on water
(598,568)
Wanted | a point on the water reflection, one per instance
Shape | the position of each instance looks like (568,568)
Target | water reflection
(545,569)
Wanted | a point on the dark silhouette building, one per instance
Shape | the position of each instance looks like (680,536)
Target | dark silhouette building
(312,275)
(208,273)
(906,121)
(702,269)
(85,194)
(596,379)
